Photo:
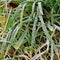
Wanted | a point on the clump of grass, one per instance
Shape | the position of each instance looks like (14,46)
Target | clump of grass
(31,30)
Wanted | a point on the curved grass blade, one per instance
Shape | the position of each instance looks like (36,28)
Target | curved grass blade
(21,39)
